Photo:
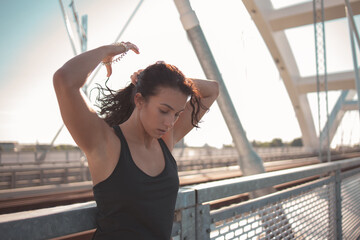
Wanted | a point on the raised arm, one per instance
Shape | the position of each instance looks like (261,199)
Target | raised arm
(209,91)
(86,128)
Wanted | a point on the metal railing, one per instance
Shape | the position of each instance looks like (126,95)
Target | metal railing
(40,175)
(325,208)
(14,158)
(20,169)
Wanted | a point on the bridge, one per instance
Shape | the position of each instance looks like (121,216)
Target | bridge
(327,207)
(245,194)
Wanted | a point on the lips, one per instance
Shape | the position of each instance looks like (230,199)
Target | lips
(162,131)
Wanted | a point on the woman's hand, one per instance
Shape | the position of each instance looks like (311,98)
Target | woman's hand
(121,48)
(134,76)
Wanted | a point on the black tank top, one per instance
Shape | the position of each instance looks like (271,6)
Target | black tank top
(134,205)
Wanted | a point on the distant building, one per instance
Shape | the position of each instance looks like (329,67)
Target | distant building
(180,144)
(34,147)
(9,146)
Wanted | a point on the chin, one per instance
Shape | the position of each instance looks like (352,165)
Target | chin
(155,134)
(160,134)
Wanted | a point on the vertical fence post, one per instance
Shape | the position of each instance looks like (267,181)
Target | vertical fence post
(65,176)
(338,204)
(18,157)
(67,156)
(41,177)
(84,169)
(188,225)
(13,179)
(203,222)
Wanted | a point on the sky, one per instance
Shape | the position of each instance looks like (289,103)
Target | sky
(34,44)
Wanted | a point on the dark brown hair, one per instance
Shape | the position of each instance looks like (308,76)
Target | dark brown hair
(117,106)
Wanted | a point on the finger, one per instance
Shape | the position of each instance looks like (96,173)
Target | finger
(134,78)
(135,74)
(133,47)
(109,70)
(135,50)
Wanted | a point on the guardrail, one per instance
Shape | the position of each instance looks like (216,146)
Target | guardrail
(9,158)
(181,154)
(325,208)
(40,175)
(46,174)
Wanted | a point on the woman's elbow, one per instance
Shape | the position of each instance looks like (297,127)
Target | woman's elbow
(61,79)
(215,89)
(58,78)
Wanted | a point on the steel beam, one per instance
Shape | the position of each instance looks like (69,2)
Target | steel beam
(250,162)
(260,11)
(302,14)
(336,81)
(336,116)
(271,24)
(351,105)
(354,34)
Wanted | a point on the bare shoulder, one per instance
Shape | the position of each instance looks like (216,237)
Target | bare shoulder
(103,159)
(168,138)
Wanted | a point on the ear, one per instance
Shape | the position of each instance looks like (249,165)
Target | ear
(139,100)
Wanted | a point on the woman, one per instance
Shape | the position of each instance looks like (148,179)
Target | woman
(129,148)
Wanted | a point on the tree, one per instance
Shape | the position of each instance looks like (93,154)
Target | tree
(276,142)
(297,142)
(255,143)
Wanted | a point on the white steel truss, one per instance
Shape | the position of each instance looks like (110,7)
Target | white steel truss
(272,24)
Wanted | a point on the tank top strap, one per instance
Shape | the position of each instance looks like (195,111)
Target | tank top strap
(120,134)
(163,145)
(166,151)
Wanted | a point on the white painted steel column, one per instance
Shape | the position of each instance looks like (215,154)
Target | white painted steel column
(250,162)
(337,115)
(68,27)
(353,34)
(262,14)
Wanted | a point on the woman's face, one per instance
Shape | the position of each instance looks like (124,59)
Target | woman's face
(160,112)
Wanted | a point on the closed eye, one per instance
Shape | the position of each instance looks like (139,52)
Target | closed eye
(178,113)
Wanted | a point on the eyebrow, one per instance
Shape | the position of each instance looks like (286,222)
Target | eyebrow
(167,105)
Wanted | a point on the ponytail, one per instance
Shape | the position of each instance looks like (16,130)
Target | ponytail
(116,106)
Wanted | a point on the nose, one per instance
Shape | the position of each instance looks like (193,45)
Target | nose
(169,122)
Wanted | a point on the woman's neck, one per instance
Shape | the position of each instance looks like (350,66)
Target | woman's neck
(136,132)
